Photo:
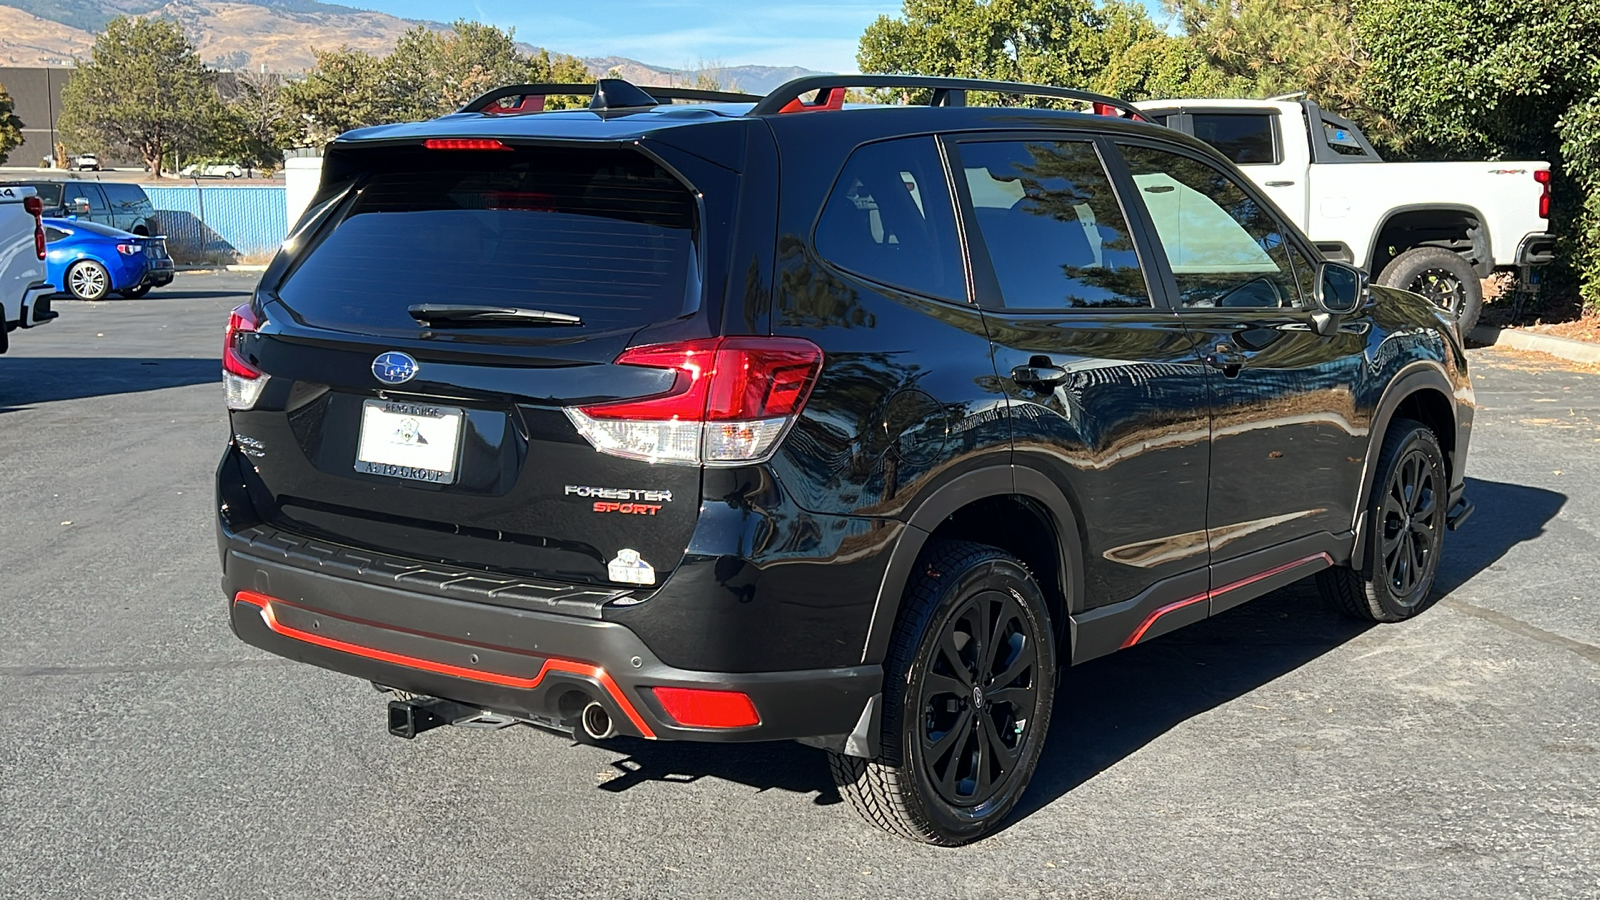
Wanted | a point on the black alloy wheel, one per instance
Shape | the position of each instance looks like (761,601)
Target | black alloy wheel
(1413,524)
(978,698)
(1403,534)
(968,684)
(1442,287)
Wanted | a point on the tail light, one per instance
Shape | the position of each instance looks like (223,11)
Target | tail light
(1543,177)
(129,249)
(241,378)
(35,207)
(733,399)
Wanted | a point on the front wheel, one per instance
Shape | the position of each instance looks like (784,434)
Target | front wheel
(968,686)
(88,280)
(1444,277)
(1404,531)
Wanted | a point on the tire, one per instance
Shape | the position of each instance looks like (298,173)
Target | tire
(1409,499)
(1444,277)
(135,293)
(88,280)
(228,175)
(930,684)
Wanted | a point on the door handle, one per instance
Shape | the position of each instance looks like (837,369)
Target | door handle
(1228,358)
(1040,372)
(1280,184)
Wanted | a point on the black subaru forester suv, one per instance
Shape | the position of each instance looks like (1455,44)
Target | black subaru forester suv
(780,418)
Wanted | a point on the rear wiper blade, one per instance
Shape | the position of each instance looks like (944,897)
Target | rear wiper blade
(436,314)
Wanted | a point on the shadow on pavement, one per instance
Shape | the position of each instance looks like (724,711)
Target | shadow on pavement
(158,294)
(1109,708)
(28,380)
(1507,515)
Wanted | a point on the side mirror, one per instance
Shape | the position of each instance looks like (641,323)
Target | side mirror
(80,206)
(1341,289)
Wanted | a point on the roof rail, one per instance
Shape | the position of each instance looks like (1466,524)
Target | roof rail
(606,93)
(946,92)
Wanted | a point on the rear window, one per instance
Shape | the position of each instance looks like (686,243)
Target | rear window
(606,235)
(49,191)
(1244,138)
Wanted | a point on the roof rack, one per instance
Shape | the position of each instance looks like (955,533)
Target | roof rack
(615,93)
(606,93)
(830,90)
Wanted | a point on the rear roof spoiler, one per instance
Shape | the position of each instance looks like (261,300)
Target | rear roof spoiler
(615,93)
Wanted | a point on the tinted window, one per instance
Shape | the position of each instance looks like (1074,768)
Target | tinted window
(128,198)
(1051,225)
(889,219)
(1244,138)
(606,235)
(51,235)
(1225,248)
(97,200)
(49,191)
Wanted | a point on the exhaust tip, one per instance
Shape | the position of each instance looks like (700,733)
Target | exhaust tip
(597,722)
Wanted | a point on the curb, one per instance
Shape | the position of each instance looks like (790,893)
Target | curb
(243,268)
(1566,348)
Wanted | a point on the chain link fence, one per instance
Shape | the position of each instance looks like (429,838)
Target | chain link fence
(214,224)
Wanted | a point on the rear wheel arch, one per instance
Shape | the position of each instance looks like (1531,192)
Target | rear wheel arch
(1016,510)
(1434,225)
(1420,393)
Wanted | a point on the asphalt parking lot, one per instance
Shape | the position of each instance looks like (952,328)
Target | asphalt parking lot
(1274,751)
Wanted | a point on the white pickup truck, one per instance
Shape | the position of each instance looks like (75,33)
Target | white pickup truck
(24,293)
(1434,228)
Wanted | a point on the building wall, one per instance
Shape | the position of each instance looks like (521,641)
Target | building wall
(37,93)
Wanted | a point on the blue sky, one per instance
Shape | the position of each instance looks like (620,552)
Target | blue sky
(820,35)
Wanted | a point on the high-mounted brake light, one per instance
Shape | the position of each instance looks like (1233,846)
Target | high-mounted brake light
(464,144)
(35,207)
(1543,177)
(242,380)
(732,400)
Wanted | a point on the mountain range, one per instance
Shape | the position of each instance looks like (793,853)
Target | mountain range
(279,35)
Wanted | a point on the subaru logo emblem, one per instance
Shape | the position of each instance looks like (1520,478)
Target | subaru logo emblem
(394,367)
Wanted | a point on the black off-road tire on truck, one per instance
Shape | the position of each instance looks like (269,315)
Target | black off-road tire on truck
(1404,532)
(968,685)
(1442,276)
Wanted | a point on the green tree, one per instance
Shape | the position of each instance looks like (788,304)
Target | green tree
(1112,46)
(259,124)
(1498,79)
(345,90)
(10,126)
(143,89)
(1261,48)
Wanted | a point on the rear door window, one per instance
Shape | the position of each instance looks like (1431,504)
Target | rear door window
(1052,225)
(605,235)
(128,201)
(1244,138)
(889,219)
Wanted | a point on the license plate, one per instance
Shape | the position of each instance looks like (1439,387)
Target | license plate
(418,441)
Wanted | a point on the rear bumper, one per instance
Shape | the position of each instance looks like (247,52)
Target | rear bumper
(537,666)
(1536,250)
(36,306)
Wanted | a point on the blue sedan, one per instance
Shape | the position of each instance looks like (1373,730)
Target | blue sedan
(89,260)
